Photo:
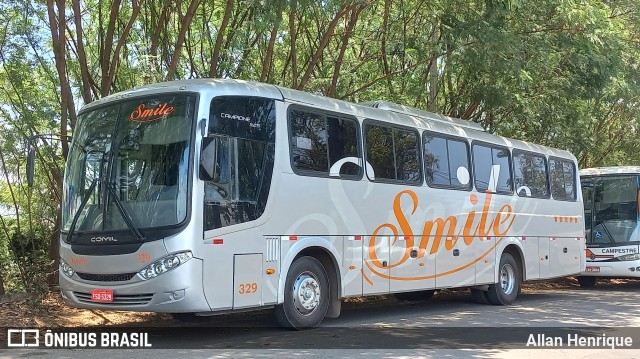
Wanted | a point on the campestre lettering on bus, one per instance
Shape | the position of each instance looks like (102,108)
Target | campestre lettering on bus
(620,250)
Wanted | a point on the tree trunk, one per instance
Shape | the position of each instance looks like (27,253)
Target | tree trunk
(1,286)
(433,70)
(213,66)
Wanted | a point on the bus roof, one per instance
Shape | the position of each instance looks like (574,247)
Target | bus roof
(599,171)
(376,110)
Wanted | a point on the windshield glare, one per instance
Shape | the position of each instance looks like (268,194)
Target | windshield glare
(611,210)
(141,149)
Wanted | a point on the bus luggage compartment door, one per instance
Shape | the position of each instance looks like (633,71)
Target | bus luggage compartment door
(564,255)
(247,280)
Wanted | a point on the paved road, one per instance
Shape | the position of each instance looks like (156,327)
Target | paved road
(448,326)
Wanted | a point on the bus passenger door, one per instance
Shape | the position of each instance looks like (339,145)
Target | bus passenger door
(411,268)
(375,273)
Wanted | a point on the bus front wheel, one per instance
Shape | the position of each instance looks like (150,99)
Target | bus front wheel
(587,282)
(506,290)
(306,295)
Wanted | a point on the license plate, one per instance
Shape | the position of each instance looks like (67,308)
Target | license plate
(592,269)
(102,295)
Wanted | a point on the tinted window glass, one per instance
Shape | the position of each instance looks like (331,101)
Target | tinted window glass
(436,161)
(614,210)
(324,144)
(563,177)
(530,175)
(393,153)
(380,154)
(407,158)
(309,141)
(446,162)
(344,152)
(244,117)
(569,179)
(482,163)
(244,129)
(492,169)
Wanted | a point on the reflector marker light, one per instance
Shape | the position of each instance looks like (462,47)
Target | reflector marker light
(218,241)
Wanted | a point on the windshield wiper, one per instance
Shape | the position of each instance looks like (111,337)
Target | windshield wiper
(123,211)
(80,208)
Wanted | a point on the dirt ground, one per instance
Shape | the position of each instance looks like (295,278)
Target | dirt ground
(20,310)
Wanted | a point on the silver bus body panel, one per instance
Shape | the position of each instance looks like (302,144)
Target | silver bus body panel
(341,217)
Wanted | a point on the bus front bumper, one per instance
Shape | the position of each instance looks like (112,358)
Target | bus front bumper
(176,291)
(612,269)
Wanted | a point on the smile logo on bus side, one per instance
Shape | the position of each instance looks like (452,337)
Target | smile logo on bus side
(437,231)
(143,114)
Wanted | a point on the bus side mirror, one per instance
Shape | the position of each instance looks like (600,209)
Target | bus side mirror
(208,159)
(31,156)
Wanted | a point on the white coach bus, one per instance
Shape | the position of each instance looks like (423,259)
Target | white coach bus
(210,196)
(611,196)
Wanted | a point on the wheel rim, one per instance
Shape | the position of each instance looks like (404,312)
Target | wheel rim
(306,293)
(507,278)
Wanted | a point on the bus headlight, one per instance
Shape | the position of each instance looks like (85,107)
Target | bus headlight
(66,269)
(164,265)
(629,257)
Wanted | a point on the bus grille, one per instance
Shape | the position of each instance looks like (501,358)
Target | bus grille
(121,299)
(121,277)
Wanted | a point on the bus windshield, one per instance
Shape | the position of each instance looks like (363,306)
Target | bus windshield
(611,209)
(133,155)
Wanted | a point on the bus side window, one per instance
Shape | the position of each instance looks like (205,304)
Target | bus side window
(343,144)
(530,174)
(492,169)
(563,179)
(324,145)
(393,153)
(446,162)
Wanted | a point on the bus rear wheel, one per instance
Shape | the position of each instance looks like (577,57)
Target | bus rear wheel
(306,295)
(506,290)
(587,282)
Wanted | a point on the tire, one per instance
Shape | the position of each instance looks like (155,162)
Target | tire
(415,296)
(506,290)
(480,296)
(587,282)
(306,295)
